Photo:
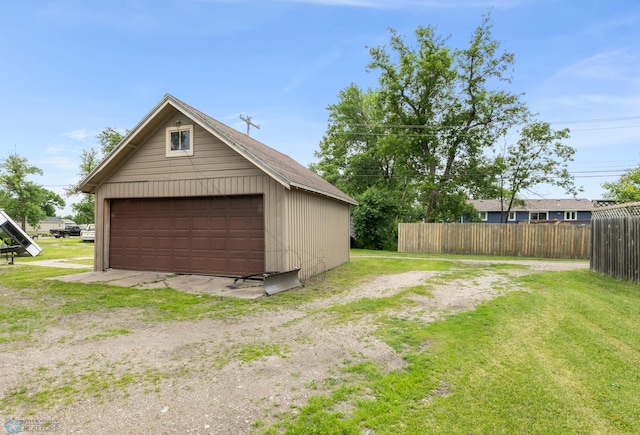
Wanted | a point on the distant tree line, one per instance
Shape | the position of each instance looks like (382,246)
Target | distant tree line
(28,202)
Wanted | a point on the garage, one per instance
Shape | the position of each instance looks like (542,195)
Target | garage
(221,235)
(185,193)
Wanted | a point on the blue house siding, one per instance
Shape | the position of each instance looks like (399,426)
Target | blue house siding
(584,215)
(540,209)
(493,217)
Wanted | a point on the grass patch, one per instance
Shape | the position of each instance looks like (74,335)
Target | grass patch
(56,249)
(29,302)
(561,358)
(366,306)
(110,333)
(256,351)
(43,300)
(355,253)
(76,383)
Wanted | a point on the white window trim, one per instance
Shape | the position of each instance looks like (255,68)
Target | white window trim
(179,153)
(568,218)
(484,216)
(546,215)
(512,216)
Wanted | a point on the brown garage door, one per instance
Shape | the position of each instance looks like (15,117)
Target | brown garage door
(209,235)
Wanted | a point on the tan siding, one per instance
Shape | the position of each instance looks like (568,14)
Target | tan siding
(275,236)
(211,158)
(318,233)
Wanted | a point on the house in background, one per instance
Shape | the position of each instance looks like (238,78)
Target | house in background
(574,211)
(186,193)
(47,224)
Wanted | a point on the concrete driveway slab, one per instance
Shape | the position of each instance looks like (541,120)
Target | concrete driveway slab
(197,284)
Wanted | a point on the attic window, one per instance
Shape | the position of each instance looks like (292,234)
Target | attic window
(180,141)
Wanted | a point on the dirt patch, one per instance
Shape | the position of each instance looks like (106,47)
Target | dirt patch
(221,376)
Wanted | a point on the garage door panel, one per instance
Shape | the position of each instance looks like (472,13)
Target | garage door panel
(200,223)
(213,235)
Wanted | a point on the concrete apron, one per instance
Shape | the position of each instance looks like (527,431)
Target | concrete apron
(197,284)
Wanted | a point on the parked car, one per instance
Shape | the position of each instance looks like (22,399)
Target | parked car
(68,231)
(88,234)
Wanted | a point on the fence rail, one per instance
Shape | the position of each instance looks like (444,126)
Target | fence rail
(543,241)
(616,247)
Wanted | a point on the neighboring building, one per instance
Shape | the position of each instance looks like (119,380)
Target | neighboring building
(575,211)
(47,224)
(185,193)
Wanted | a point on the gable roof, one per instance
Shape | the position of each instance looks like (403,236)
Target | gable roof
(578,204)
(277,165)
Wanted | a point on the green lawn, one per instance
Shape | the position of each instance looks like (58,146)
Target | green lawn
(562,356)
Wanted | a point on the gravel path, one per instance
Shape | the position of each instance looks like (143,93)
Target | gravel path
(191,378)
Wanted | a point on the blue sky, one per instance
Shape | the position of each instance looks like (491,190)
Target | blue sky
(71,68)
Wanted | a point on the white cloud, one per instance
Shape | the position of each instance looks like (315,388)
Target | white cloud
(604,101)
(81,135)
(65,163)
(617,64)
(595,87)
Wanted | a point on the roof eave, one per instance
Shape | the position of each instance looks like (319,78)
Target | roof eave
(126,141)
(348,200)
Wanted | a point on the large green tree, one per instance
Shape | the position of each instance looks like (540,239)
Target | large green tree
(356,154)
(359,157)
(24,200)
(626,189)
(427,128)
(449,107)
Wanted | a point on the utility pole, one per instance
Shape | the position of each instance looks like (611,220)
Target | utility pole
(247,119)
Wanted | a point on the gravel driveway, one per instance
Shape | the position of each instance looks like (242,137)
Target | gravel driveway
(190,378)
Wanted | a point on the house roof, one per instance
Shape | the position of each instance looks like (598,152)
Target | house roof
(577,204)
(279,166)
(52,219)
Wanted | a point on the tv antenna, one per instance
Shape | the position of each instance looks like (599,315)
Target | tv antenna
(247,119)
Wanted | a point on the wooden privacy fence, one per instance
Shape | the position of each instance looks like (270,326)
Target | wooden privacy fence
(615,242)
(543,241)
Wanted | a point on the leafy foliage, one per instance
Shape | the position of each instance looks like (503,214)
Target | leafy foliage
(373,219)
(24,200)
(427,136)
(109,138)
(443,104)
(626,189)
(538,157)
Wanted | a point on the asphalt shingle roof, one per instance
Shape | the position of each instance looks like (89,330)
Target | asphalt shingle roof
(571,204)
(285,166)
(278,165)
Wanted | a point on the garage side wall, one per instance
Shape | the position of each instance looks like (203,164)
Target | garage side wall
(318,233)
(274,198)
